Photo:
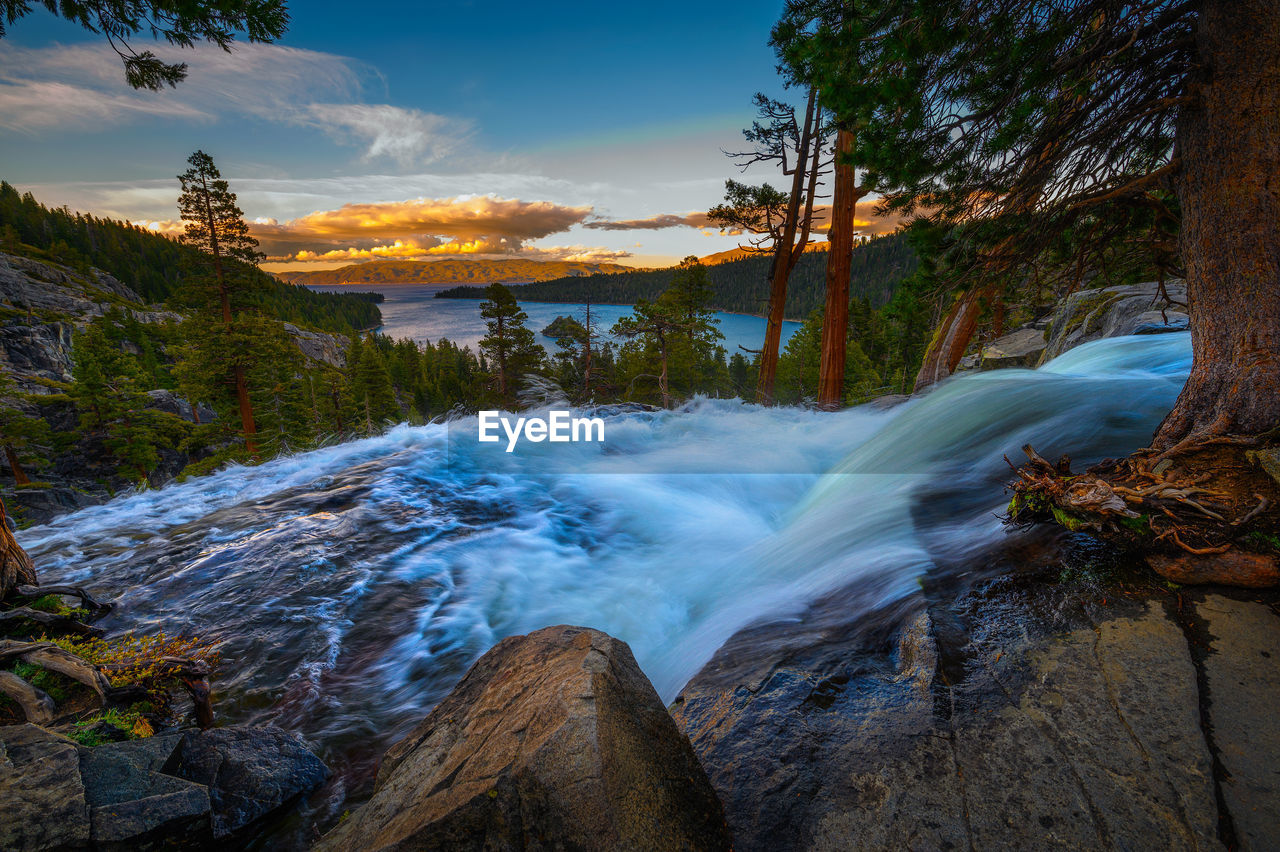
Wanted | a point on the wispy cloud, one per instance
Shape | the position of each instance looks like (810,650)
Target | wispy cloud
(80,87)
(407,136)
(652,223)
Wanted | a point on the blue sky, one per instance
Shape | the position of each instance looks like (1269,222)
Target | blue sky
(397,129)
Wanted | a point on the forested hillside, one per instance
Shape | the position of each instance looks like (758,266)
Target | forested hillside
(154,265)
(739,286)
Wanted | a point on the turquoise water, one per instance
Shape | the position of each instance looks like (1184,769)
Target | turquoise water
(411,310)
(352,586)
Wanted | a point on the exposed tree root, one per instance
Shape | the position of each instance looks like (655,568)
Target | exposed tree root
(89,601)
(49,656)
(1207,508)
(52,622)
(15,565)
(37,707)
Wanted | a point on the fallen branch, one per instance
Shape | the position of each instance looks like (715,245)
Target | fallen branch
(49,656)
(89,601)
(50,620)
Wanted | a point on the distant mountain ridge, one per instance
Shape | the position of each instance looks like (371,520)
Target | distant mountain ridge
(740,285)
(515,270)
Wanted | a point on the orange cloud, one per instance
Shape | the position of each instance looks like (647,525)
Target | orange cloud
(416,228)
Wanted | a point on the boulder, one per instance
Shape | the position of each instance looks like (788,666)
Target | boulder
(133,805)
(251,773)
(167,791)
(554,740)
(329,349)
(170,403)
(1021,348)
(1112,312)
(997,719)
(42,800)
(1244,691)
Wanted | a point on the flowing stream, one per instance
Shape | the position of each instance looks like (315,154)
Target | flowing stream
(352,586)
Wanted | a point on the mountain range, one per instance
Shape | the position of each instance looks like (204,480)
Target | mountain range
(507,271)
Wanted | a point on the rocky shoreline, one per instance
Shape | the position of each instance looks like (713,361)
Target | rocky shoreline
(1059,696)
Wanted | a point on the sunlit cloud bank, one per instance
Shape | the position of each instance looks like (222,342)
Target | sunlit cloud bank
(417,228)
(462,226)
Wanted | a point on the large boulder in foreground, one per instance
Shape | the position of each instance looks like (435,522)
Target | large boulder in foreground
(1019,713)
(554,740)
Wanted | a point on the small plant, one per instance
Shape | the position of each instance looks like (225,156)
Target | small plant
(55,605)
(146,661)
(56,686)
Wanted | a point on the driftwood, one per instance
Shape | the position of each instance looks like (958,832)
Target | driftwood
(52,621)
(49,656)
(192,674)
(1195,510)
(37,707)
(88,600)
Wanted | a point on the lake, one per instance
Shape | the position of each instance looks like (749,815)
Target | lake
(411,310)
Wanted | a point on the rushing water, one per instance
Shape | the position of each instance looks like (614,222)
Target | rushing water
(352,586)
(411,310)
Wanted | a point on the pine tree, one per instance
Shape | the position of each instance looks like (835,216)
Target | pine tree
(216,226)
(25,438)
(371,386)
(509,344)
(183,24)
(110,392)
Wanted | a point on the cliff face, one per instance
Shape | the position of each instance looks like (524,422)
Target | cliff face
(42,305)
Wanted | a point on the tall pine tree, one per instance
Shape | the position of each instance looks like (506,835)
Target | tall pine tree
(216,226)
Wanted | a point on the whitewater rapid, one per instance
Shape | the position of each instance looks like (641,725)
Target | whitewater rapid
(351,586)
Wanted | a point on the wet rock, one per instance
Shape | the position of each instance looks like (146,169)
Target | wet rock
(251,773)
(1050,730)
(1243,675)
(554,740)
(133,805)
(1112,312)
(42,800)
(1021,348)
(1233,568)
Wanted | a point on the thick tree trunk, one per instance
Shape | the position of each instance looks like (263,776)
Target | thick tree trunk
(246,413)
(835,320)
(16,568)
(782,264)
(949,343)
(1229,191)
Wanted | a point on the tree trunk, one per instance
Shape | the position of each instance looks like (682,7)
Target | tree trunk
(246,413)
(19,475)
(835,320)
(949,343)
(782,265)
(1229,191)
(16,568)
